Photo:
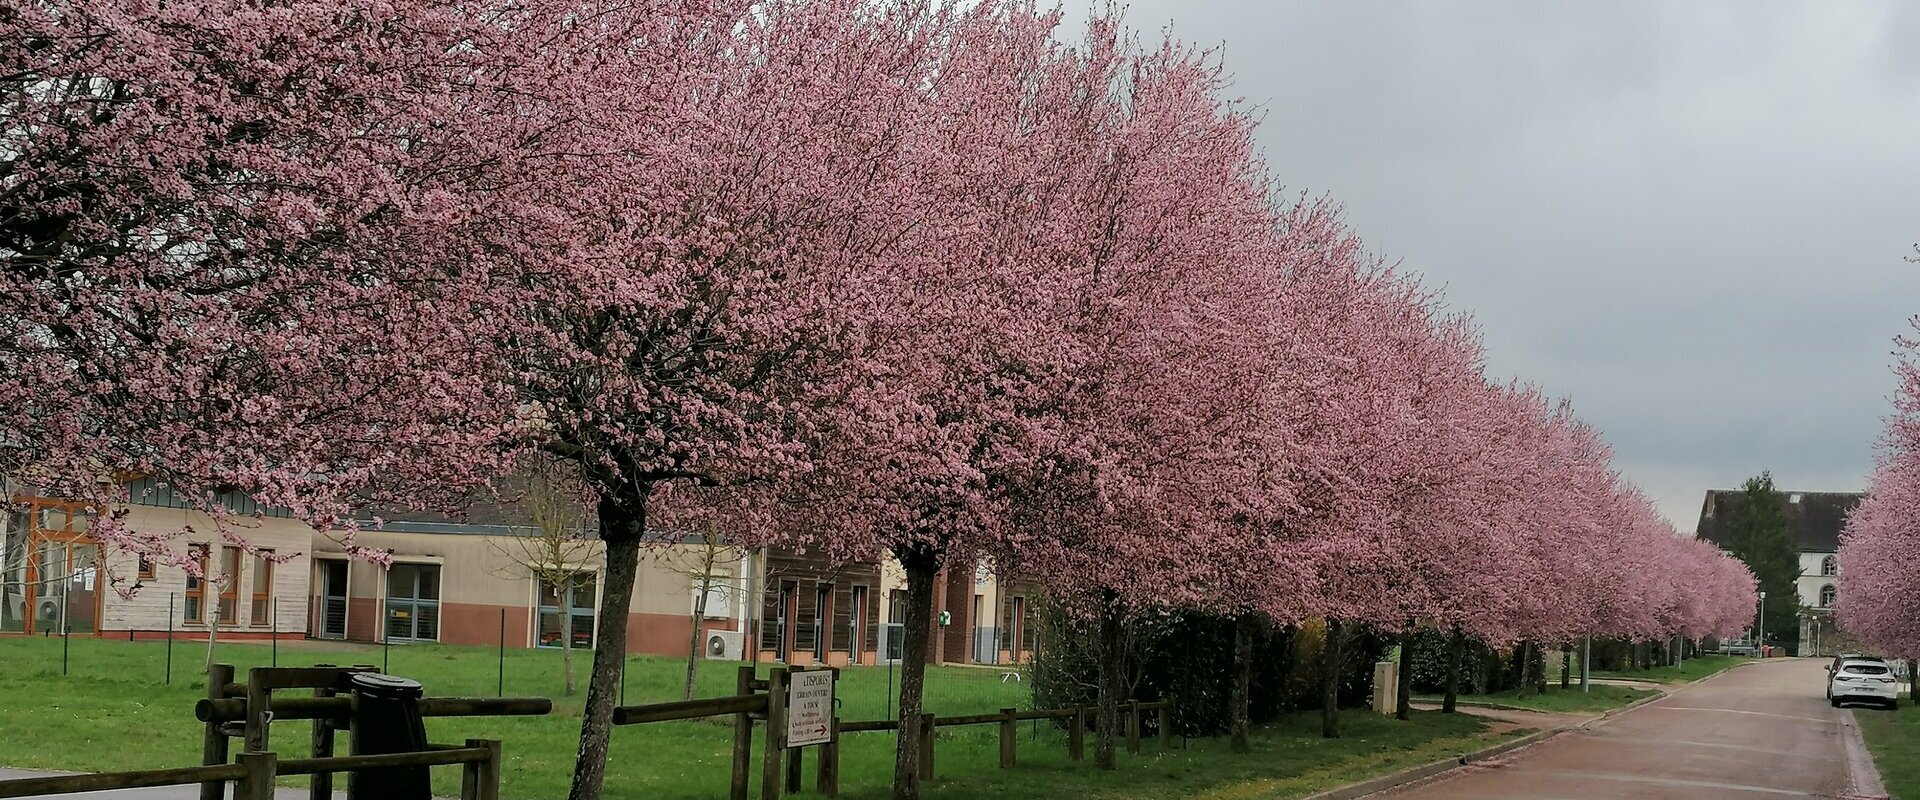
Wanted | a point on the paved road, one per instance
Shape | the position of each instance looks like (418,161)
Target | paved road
(1758,731)
(161,793)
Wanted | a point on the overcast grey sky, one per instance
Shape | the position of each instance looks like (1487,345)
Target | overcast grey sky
(1690,218)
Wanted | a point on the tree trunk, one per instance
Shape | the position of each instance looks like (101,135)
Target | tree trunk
(1586,663)
(213,627)
(1566,666)
(1523,669)
(1112,683)
(623,523)
(693,638)
(1403,706)
(566,655)
(1539,666)
(1240,701)
(1456,652)
(920,568)
(1331,662)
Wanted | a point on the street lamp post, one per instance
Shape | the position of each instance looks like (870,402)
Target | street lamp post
(1762,626)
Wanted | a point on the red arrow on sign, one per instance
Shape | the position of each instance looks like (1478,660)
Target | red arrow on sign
(820,731)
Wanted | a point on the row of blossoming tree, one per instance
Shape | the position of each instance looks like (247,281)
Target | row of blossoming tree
(920,279)
(1879,602)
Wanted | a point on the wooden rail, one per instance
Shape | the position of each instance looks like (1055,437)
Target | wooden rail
(428,758)
(691,709)
(99,781)
(336,708)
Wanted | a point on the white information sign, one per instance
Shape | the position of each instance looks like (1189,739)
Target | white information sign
(809,707)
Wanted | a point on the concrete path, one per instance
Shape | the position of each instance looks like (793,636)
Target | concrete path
(160,793)
(1759,731)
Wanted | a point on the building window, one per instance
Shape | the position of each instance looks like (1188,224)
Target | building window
(1829,566)
(1826,596)
(229,585)
(719,596)
(146,567)
(195,607)
(261,614)
(413,602)
(567,611)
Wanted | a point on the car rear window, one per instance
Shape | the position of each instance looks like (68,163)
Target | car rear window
(1864,669)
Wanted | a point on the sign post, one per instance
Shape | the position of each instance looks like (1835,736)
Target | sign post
(809,707)
(804,699)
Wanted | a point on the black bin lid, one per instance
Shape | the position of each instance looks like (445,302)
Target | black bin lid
(388,686)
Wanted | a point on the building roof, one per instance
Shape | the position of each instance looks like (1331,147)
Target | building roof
(1817,517)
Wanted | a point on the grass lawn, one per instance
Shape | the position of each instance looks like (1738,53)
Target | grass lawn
(1894,739)
(1598,698)
(113,711)
(1692,669)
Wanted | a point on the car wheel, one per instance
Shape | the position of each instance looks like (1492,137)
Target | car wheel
(1893,705)
(1835,701)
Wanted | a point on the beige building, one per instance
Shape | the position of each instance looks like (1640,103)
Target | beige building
(484,579)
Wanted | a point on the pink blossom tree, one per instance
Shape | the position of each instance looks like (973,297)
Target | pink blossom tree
(225,230)
(1879,602)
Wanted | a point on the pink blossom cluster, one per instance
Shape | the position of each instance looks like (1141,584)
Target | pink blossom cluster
(1879,598)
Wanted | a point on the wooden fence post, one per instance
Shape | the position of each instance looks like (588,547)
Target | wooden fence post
(1007,738)
(742,739)
(926,747)
(258,782)
(259,713)
(1133,726)
(1166,724)
(828,781)
(796,758)
(480,780)
(1077,734)
(770,777)
(213,748)
(320,784)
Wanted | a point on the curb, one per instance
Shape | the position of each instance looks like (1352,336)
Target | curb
(1424,771)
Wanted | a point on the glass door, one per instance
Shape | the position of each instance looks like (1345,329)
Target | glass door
(333,599)
(567,612)
(413,603)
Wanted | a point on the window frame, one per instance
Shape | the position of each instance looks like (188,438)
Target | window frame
(196,590)
(414,602)
(573,611)
(261,601)
(228,609)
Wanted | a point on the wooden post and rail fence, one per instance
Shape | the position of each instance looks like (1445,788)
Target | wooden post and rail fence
(805,718)
(246,711)
(796,706)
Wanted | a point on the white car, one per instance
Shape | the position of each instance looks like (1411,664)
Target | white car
(1862,681)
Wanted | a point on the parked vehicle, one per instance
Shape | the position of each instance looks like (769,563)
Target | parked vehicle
(1845,657)
(1862,679)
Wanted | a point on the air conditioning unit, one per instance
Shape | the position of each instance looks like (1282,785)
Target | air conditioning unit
(724,645)
(48,610)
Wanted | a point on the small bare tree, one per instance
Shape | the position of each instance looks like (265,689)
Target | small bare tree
(556,552)
(700,564)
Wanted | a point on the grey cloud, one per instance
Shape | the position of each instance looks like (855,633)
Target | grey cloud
(1690,218)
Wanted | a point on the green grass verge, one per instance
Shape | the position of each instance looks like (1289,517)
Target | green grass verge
(1894,739)
(1600,697)
(112,710)
(1692,669)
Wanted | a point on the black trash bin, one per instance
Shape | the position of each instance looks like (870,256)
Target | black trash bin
(386,719)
